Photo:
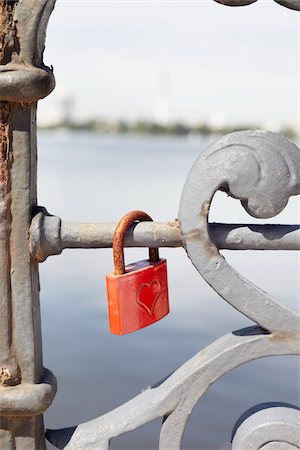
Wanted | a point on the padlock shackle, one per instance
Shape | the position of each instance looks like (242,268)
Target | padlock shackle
(119,237)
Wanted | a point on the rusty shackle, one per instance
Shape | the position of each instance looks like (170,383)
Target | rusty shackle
(119,237)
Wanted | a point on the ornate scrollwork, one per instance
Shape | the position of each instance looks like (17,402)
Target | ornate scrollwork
(175,398)
(262,170)
(271,427)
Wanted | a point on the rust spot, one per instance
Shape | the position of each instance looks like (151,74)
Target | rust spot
(205,208)
(9,376)
(194,235)
(276,336)
(5,115)
(119,237)
(198,235)
(213,250)
(5,375)
(9,41)
(174,224)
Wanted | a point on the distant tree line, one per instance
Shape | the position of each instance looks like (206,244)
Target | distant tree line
(148,127)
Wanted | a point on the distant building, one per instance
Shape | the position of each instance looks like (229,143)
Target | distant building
(57,109)
(66,107)
(162,110)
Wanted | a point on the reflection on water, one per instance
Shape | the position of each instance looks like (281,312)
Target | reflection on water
(93,178)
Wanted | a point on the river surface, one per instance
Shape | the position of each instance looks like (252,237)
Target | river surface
(95,178)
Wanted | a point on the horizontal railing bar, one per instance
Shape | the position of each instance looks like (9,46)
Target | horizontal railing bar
(143,234)
(155,234)
(50,235)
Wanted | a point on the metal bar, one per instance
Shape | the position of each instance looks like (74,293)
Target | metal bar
(26,388)
(255,237)
(225,236)
(49,235)
(8,366)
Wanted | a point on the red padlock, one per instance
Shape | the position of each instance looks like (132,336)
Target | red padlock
(138,293)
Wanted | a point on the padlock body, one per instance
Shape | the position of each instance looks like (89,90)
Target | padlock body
(139,297)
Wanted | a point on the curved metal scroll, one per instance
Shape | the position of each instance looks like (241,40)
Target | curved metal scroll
(272,428)
(235,2)
(291,4)
(175,397)
(262,170)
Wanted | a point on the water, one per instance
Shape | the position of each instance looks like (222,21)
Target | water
(89,177)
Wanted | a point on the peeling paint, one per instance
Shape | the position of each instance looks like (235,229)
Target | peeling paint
(5,114)
(5,375)
(9,41)
(8,377)
(174,224)
(9,372)
(205,208)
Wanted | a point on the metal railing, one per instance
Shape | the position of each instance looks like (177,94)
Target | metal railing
(261,169)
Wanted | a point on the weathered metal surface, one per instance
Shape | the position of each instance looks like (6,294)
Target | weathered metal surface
(49,235)
(28,399)
(292,4)
(261,169)
(27,389)
(273,428)
(23,75)
(119,237)
(9,371)
(175,398)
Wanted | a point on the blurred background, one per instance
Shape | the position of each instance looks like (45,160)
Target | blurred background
(142,89)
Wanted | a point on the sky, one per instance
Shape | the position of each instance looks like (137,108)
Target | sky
(188,61)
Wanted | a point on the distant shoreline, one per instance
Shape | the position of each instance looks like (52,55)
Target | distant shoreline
(152,128)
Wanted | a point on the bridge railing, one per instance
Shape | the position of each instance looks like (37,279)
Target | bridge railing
(260,168)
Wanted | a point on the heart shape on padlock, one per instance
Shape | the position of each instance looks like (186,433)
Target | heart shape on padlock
(148,294)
